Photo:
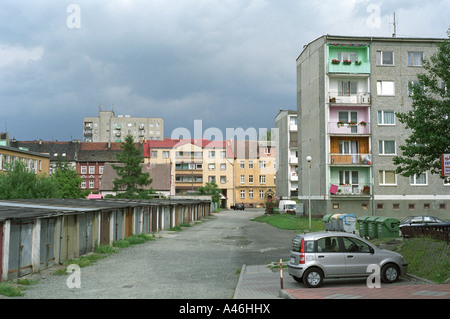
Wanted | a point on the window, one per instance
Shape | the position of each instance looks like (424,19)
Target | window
(426,206)
(262,179)
(155,154)
(386,147)
(380,206)
(250,164)
(328,244)
(223,154)
(415,58)
(261,194)
(411,84)
(211,179)
(386,88)
(91,183)
(84,170)
(348,147)
(351,56)
(347,88)
(411,206)
(385,58)
(212,154)
(166,154)
(83,184)
(354,245)
(91,169)
(250,193)
(101,168)
(250,179)
(386,118)
(336,206)
(223,167)
(262,164)
(419,179)
(212,166)
(242,179)
(242,164)
(396,206)
(223,179)
(242,194)
(348,178)
(387,178)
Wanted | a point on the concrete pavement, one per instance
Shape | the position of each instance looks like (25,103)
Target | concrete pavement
(260,282)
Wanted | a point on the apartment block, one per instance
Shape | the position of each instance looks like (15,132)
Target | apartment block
(34,162)
(348,91)
(287,154)
(106,127)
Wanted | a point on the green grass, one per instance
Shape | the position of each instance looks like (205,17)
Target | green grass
(291,222)
(10,291)
(135,239)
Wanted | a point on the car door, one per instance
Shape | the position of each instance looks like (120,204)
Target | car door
(358,256)
(329,256)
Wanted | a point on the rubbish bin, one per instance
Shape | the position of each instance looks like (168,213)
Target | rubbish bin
(388,227)
(372,227)
(327,221)
(347,223)
(363,226)
(335,222)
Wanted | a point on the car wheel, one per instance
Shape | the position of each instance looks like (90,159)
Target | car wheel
(390,273)
(313,278)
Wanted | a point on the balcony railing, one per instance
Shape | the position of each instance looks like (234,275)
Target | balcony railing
(361,127)
(350,190)
(350,159)
(336,97)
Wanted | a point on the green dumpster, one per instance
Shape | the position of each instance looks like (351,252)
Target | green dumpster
(388,227)
(372,227)
(327,221)
(363,226)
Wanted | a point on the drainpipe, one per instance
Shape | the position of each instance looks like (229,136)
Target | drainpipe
(372,181)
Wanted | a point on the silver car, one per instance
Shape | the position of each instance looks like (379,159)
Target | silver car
(315,256)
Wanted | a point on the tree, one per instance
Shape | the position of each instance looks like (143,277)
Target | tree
(131,180)
(211,189)
(68,181)
(429,118)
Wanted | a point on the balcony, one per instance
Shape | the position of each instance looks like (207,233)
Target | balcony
(350,159)
(293,160)
(359,98)
(350,190)
(348,58)
(349,128)
(293,177)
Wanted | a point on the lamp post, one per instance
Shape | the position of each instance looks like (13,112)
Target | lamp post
(309,158)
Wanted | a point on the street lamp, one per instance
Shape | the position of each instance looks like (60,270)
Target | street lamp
(309,158)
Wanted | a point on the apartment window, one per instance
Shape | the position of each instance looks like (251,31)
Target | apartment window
(386,147)
(351,56)
(242,194)
(155,154)
(396,206)
(415,58)
(242,179)
(223,179)
(250,179)
(386,118)
(261,194)
(223,154)
(380,206)
(91,169)
(419,179)
(101,168)
(91,183)
(386,88)
(211,167)
(411,84)
(262,179)
(348,147)
(242,164)
(83,184)
(426,206)
(364,206)
(387,178)
(262,164)
(250,164)
(211,179)
(223,167)
(335,206)
(250,193)
(348,178)
(212,154)
(84,170)
(411,206)
(347,88)
(166,154)
(385,58)
(442,206)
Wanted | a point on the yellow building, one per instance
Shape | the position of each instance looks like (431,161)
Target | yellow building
(254,173)
(34,162)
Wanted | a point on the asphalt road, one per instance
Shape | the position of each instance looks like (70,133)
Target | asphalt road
(200,262)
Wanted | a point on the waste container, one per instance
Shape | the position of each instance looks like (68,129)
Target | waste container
(363,226)
(388,227)
(335,222)
(372,227)
(327,221)
(347,223)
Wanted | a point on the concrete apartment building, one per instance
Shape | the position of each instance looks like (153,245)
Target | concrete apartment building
(287,154)
(106,127)
(348,90)
(34,162)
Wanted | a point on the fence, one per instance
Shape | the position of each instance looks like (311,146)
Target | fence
(438,231)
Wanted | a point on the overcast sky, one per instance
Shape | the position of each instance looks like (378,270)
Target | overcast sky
(229,63)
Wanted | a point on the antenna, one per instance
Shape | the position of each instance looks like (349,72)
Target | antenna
(395,28)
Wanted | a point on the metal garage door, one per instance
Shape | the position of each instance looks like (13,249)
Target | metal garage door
(20,246)
(47,244)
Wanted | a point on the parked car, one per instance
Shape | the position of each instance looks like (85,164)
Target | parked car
(320,255)
(239,207)
(422,220)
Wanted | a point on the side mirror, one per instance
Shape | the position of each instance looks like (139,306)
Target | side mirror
(372,251)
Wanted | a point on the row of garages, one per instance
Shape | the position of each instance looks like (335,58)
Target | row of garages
(36,234)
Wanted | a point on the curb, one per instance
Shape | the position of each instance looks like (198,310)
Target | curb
(238,286)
